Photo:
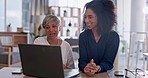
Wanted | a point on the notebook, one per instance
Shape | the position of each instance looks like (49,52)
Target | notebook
(43,61)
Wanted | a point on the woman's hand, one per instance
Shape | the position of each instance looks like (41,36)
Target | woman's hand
(88,70)
(65,67)
(94,66)
(91,68)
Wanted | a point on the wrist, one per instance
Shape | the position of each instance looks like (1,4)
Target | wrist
(99,69)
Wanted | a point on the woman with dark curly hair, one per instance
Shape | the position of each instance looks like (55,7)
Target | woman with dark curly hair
(98,43)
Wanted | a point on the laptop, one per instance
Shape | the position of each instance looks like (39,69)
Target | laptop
(43,61)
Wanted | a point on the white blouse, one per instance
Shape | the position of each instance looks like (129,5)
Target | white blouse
(65,48)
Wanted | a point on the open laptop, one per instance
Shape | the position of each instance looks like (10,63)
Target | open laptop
(43,61)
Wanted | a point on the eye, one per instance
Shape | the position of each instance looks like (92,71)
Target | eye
(90,17)
(54,26)
(46,27)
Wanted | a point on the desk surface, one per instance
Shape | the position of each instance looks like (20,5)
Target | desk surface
(82,75)
(6,72)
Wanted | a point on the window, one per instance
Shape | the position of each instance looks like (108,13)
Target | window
(14,14)
(11,12)
(2,15)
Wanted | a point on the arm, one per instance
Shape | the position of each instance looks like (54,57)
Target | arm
(110,52)
(82,53)
(70,60)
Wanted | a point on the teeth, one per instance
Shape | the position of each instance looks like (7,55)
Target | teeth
(51,34)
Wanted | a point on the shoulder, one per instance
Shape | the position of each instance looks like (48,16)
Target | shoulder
(113,34)
(41,38)
(66,46)
(65,43)
(85,33)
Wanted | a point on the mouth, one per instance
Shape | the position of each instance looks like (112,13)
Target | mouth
(88,26)
(52,34)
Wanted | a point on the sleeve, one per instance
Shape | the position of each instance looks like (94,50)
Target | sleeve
(70,60)
(110,52)
(82,53)
(37,41)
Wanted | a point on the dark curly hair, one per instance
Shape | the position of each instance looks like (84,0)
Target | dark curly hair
(104,10)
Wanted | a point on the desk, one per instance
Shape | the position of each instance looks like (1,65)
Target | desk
(6,73)
(8,70)
(16,38)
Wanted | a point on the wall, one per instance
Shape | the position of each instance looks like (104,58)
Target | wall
(71,3)
(123,18)
(131,19)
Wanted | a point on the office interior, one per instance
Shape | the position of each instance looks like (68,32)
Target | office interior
(20,22)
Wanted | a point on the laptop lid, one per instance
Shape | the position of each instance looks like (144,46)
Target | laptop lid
(41,60)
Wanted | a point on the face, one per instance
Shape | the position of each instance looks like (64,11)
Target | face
(52,29)
(90,19)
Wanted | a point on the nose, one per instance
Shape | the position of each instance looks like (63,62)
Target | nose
(86,20)
(50,29)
